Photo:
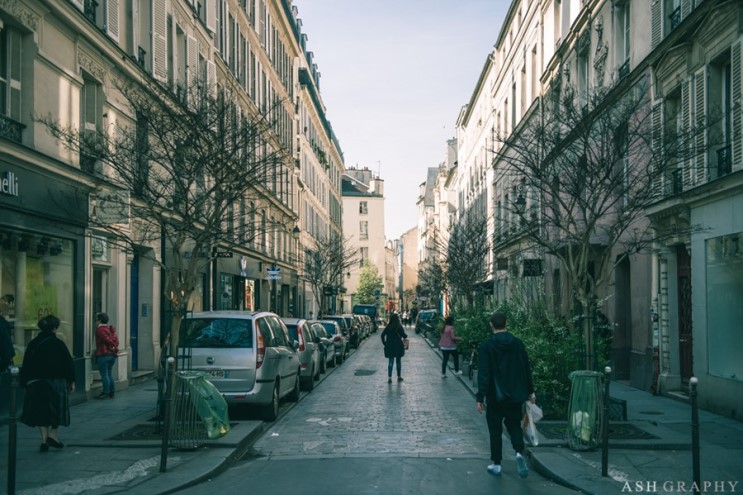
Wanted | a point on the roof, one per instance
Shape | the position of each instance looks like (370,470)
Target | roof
(352,187)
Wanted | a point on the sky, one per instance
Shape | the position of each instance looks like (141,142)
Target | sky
(394,76)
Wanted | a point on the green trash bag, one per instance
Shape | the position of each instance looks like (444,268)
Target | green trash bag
(584,410)
(210,405)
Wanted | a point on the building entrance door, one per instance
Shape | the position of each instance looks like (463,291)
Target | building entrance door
(683,263)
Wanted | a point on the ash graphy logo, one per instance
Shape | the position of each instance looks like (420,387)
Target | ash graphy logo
(668,486)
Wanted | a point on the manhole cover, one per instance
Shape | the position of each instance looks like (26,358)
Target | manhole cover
(627,431)
(364,372)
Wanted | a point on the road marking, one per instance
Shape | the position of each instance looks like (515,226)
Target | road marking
(138,469)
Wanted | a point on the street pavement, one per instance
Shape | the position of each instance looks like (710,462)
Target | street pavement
(427,424)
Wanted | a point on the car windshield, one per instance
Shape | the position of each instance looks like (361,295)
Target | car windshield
(217,332)
(292,331)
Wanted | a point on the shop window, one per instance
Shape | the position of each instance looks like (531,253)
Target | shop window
(724,264)
(37,274)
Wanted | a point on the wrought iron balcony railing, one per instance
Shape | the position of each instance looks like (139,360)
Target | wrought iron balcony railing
(90,8)
(675,18)
(11,129)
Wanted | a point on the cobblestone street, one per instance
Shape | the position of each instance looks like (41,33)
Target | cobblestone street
(355,412)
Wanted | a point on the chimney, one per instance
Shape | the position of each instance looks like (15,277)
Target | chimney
(376,186)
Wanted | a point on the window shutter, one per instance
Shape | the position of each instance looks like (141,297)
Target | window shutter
(656,23)
(112,19)
(160,49)
(192,68)
(686,144)
(700,125)
(78,4)
(737,97)
(211,78)
(658,159)
(211,15)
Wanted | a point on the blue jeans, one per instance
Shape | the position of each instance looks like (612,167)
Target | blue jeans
(391,364)
(105,366)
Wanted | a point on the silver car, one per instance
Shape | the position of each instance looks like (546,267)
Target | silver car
(340,341)
(250,356)
(308,349)
(327,346)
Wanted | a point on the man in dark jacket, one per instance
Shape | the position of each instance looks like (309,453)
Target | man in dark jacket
(504,380)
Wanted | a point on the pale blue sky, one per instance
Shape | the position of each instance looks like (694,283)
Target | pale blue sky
(394,75)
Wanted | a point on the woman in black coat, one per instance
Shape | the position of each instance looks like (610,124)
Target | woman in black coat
(47,375)
(393,338)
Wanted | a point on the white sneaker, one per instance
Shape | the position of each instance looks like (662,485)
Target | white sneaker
(443,376)
(457,372)
(521,466)
(494,469)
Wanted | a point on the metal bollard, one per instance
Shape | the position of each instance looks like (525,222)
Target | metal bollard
(170,371)
(12,428)
(695,432)
(605,428)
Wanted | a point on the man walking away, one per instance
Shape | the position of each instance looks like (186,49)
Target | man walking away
(504,383)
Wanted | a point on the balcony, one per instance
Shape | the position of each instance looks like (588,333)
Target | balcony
(676,183)
(90,9)
(142,57)
(724,161)
(11,130)
(674,18)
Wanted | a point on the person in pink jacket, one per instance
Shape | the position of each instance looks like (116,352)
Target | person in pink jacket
(448,346)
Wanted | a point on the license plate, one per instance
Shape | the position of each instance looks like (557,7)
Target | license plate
(218,373)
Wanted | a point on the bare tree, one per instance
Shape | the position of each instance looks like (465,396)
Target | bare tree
(431,280)
(325,265)
(580,173)
(179,173)
(467,256)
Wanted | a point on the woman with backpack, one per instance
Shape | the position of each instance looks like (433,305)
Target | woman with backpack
(106,352)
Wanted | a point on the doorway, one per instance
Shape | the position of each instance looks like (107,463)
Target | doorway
(683,263)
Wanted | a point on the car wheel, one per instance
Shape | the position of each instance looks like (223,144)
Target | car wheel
(271,410)
(294,394)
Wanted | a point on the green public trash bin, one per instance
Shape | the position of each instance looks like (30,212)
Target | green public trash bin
(200,411)
(584,410)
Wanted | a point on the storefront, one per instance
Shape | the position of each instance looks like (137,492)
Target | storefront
(42,254)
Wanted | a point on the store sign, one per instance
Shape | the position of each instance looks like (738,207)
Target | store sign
(9,184)
(111,207)
(273,273)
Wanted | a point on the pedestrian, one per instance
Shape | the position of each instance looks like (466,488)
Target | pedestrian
(7,351)
(393,339)
(448,346)
(48,375)
(106,352)
(504,383)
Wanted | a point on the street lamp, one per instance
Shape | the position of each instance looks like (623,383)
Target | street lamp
(296,232)
(519,205)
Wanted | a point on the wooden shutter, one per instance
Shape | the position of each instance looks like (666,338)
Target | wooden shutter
(658,154)
(685,9)
(700,124)
(159,45)
(211,78)
(656,23)
(685,146)
(79,4)
(211,15)
(192,69)
(112,19)
(737,96)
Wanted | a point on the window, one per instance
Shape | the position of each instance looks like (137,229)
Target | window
(363,208)
(363,255)
(673,136)
(10,73)
(364,230)
(623,41)
(672,14)
(724,264)
(91,111)
(719,113)
(583,78)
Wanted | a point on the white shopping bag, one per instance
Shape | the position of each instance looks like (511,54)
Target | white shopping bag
(532,414)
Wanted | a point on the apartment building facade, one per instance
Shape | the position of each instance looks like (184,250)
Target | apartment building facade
(665,304)
(66,59)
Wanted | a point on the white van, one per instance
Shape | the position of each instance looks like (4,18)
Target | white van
(250,357)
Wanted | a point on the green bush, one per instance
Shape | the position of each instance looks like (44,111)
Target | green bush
(554,350)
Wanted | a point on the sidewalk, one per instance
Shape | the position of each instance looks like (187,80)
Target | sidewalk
(93,462)
(651,451)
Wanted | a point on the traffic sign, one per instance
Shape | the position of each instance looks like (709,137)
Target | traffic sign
(223,254)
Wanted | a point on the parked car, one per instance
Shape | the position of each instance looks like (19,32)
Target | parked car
(308,349)
(368,325)
(250,356)
(360,324)
(370,310)
(326,345)
(426,321)
(335,331)
(347,325)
